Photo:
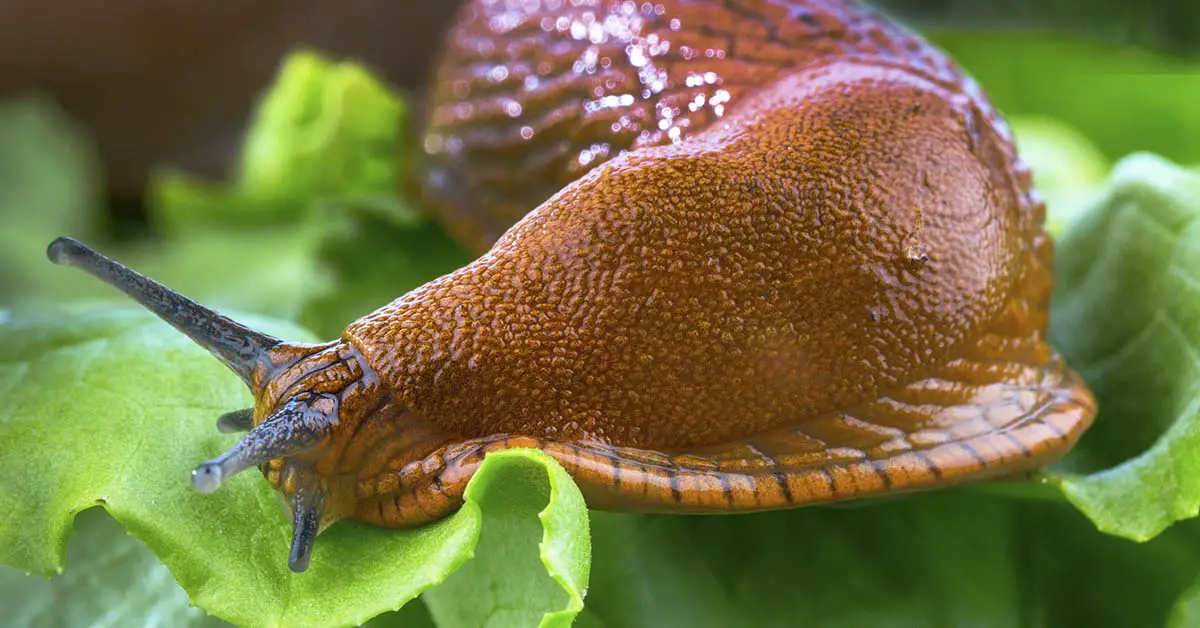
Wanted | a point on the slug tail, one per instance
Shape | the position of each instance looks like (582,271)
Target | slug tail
(240,348)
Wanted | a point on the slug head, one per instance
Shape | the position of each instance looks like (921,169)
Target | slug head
(309,401)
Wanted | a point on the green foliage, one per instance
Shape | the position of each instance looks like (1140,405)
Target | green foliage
(313,202)
(511,581)
(949,558)
(111,576)
(327,132)
(1127,316)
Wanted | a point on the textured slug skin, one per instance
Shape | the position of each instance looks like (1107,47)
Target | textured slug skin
(736,282)
(531,95)
(794,258)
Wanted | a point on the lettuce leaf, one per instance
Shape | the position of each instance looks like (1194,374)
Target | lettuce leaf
(1127,317)
(946,558)
(113,580)
(325,131)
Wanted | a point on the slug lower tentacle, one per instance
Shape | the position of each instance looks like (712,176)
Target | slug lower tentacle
(736,255)
(236,421)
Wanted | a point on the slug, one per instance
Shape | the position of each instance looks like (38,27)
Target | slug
(736,255)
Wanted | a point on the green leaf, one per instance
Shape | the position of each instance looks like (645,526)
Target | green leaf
(325,128)
(324,146)
(181,203)
(324,131)
(413,615)
(321,162)
(1127,317)
(504,585)
(1186,613)
(893,564)
(947,558)
(112,407)
(112,580)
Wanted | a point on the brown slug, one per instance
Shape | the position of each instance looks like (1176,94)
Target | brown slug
(777,252)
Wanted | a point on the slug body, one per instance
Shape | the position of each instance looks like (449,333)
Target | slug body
(780,252)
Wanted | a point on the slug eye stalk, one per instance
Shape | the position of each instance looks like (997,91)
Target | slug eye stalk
(240,348)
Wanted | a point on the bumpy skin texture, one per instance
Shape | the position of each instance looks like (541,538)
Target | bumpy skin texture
(531,95)
(750,276)
(796,259)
